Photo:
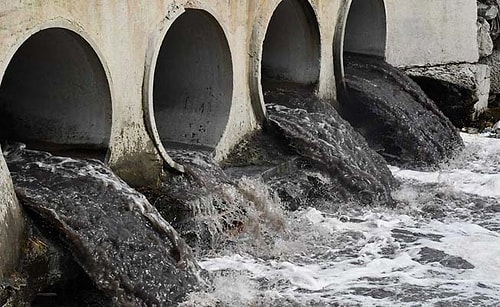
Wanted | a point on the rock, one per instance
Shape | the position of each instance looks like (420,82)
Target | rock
(460,91)
(484,41)
(488,11)
(494,28)
(496,127)
(431,255)
(493,61)
(486,121)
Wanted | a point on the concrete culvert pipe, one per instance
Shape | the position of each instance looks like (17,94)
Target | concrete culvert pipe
(193,83)
(55,96)
(362,29)
(291,51)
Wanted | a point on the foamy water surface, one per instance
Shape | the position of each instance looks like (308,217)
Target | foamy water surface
(439,247)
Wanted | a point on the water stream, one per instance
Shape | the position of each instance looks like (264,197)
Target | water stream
(316,132)
(119,239)
(395,116)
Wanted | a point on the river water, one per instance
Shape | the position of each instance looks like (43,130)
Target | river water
(439,246)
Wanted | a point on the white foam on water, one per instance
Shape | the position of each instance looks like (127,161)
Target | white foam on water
(381,256)
(475,171)
(461,180)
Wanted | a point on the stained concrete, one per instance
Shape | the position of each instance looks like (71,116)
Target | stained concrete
(366,28)
(88,71)
(127,39)
(319,57)
(493,61)
(431,32)
(406,33)
(11,224)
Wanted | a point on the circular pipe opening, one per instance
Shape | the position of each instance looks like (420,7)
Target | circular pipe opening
(365,30)
(362,29)
(193,83)
(291,50)
(55,96)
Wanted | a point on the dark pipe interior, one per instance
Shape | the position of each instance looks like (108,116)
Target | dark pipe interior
(193,83)
(291,52)
(55,96)
(365,31)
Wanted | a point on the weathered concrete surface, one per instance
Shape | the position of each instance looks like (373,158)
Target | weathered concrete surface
(50,94)
(11,223)
(292,46)
(366,28)
(124,39)
(127,36)
(430,32)
(200,91)
(461,91)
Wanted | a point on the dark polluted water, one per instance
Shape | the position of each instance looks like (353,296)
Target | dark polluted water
(437,246)
(395,116)
(114,234)
(316,132)
(204,204)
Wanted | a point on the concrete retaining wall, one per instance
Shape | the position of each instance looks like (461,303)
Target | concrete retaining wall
(431,32)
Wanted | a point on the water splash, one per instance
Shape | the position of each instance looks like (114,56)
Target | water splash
(476,170)
(208,207)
